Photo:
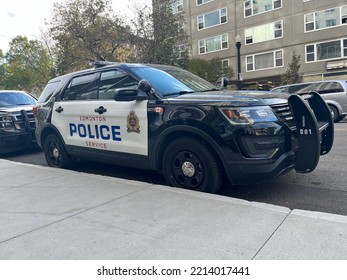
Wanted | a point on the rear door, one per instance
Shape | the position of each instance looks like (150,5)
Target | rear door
(87,115)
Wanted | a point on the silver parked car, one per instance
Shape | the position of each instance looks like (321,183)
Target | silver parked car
(334,92)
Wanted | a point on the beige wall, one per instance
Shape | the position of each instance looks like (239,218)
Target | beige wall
(294,37)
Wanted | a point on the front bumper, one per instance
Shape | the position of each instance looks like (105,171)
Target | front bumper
(17,139)
(300,149)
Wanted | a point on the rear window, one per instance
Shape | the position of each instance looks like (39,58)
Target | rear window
(329,87)
(48,91)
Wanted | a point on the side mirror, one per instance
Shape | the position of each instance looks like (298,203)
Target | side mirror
(224,82)
(144,86)
(128,94)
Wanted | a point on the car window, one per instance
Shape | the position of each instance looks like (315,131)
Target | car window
(15,98)
(81,88)
(114,79)
(48,91)
(161,81)
(301,88)
(328,87)
(281,89)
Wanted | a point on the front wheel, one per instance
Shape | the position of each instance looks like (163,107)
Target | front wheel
(190,164)
(55,153)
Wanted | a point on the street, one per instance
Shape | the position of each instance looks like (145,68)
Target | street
(323,190)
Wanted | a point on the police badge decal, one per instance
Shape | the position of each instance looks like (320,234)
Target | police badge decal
(133,123)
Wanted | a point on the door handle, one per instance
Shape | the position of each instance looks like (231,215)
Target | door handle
(100,110)
(59,109)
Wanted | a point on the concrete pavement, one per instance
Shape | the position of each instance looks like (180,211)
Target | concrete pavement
(48,213)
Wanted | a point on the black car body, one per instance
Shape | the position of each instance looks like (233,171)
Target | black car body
(17,124)
(166,119)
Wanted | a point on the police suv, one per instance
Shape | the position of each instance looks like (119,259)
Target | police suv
(163,118)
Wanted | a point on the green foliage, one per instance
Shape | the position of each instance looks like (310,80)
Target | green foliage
(82,31)
(26,66)
(211,70)
(292,74)
(85,31)
(159,33)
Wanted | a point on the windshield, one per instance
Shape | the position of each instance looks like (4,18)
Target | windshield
(8,99)
(172,81)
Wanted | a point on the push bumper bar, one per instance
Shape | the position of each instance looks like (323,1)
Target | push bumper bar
(315,129)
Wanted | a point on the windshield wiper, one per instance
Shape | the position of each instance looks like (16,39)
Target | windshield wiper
(180,92)
(211,89)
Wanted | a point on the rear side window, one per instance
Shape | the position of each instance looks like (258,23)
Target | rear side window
(48,91)
(81,88)
(301,88)
(328,87)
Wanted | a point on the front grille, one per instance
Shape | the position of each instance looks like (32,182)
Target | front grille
(19,119)
(284,113)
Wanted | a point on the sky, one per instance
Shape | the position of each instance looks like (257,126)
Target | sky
(26,17)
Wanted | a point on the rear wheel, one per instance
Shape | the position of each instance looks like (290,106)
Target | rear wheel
(55,153)
(190,164)
(335,114)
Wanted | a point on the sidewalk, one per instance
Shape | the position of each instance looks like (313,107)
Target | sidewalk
(48,213)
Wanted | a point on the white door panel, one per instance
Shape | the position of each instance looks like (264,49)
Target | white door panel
(123,127)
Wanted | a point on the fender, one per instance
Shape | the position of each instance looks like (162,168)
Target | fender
(155,155)
(48,128)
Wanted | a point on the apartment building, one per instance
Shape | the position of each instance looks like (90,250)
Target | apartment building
(269,32)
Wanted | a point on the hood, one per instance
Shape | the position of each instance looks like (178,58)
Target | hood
(17,108)
(236,98)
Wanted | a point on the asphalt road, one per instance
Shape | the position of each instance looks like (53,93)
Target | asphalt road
(324,190)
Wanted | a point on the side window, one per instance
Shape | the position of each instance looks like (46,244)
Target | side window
(303,88)
(114,79)
(81,88)
(48,91)
(328,87)
(281,90)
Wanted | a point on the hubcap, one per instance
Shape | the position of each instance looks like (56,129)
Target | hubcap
(56,153)
(188,169)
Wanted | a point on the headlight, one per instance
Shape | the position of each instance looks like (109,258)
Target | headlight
(249,115)
(6,121)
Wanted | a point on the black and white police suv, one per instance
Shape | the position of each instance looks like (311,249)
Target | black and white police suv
(164,118)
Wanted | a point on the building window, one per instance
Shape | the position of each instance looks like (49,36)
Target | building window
(264,61)
(225,63)
(212,19)
(326,19)
(213,44)
(180,49)
(254,7)
(200,2)
(264,32)
(326,50)
(177,6)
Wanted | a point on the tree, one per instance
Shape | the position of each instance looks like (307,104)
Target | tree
(211,70)
(159,34)
(26,65)
(2,69)
(293,74)
(85,31)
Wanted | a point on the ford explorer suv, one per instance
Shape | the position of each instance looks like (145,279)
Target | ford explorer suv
(166,119)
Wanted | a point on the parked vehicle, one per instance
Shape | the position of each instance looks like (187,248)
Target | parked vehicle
(163,118)
(17,123)
(333,92)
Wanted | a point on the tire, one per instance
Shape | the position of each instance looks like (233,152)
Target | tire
(55,152)
(190,164)
(335,114)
